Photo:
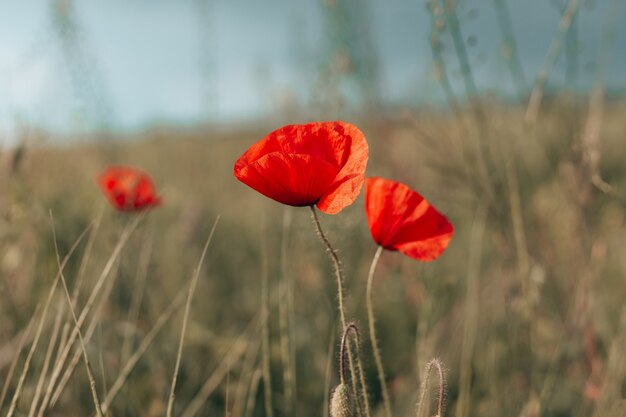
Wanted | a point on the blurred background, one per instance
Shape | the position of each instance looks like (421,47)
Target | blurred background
(76,67)
(509,116)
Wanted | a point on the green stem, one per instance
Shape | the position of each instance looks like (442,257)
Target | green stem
(335,259)
(370,319)
(342,314)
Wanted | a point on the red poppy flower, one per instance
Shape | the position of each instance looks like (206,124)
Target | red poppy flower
(128,189)
(401,219)
(319,163)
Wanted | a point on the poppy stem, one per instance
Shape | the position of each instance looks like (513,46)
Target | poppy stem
(336,262)
(342,314)
(372,326)
(342,373)
(441,397)
(342,350)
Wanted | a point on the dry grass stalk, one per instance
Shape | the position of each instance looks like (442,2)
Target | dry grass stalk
(437,25)
(121,379)
(21,339)
(255,380)
(93,324)
(247,369)
(192,288)
(285,312)
(137,296)
(46,363)
(471,311)
(86,257)
(49,398)
(236,350)
(92,381)
(461,52)
(265,330)
(553,53)
(591,139)
(42,320)
(510,53)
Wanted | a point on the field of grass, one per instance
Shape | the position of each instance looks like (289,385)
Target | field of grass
(525,308)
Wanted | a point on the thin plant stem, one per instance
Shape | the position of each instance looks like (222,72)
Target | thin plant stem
(372,326)
(247,367)
(591,139)
(49,398)
(235,351)
(329,367)
(137,297)
(338,272)
(86,257)
(227,399)
(436,23)
(482,163)
(87,335)
(459,46)
(16,355)
(340,299)
(44,315)
(352,328)
(143,347)
(255,380)
(441,397)
(46,363)
(511,55)
(342,355)
(569,13)
(192,288)
(284,313)
(470,326)
(265,330)
(92,380)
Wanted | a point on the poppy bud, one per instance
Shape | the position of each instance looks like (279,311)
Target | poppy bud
(340,402)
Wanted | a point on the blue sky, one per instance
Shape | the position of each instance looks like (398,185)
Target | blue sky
(142,62)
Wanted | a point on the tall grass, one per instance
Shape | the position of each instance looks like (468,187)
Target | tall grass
(525,307)
(536,325)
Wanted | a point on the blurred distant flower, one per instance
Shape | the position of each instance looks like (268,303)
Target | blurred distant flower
(128,189)
(320,163)
(401,219)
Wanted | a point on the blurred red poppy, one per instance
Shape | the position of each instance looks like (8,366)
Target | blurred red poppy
(128,189)
(401,219)
(320,163)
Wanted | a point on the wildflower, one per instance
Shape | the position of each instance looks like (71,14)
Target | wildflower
(320,163)
(401,219)
(128,189)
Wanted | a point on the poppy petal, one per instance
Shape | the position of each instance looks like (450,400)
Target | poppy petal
(322,140)
(349,180)
(401,219)
(426,249)
(295,180)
